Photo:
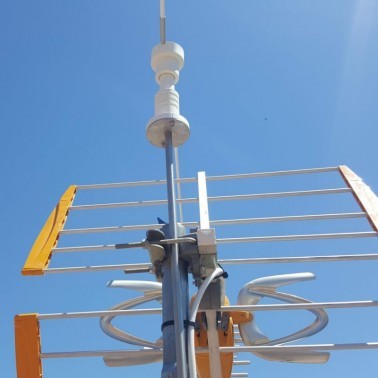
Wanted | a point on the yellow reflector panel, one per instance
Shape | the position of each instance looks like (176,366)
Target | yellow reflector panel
(40,254)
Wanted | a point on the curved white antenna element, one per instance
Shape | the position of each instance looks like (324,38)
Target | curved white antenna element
(152,291)
(254,291)
(145,287)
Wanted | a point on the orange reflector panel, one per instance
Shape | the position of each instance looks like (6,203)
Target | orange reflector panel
(40,254)
(28,346)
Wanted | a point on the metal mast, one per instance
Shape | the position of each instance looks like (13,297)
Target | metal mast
(168,129)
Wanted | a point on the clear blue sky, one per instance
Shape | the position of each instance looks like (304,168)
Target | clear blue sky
(267,85)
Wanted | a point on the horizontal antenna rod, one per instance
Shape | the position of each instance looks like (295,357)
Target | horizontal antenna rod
(259,239)
(105,247)
(262,260)
(242,362)
(217,198)
(266,307)
(347,346)
(94,314)
(241,349)
(301,306)
(290,218)
(272,174)
(280,194)
(208,178)
(300,259)
(97,268)
(120,228)
(253,239)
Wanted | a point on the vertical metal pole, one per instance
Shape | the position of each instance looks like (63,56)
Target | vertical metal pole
(175,299)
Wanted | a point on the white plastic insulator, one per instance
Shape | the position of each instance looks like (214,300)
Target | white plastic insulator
(167,101)
(167,60)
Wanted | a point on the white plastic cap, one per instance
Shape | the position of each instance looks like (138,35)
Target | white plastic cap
(167,59)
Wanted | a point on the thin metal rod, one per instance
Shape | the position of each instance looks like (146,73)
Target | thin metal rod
(107,247)
(263,260)
(95,353)
(162,8)
(95,314)
(177,241)
(119,228)
(89,248)
(133,183)
(145,243)
(117,205)
(294,218)
(241,349)
(289,218)
(96,248)
(267,307)
(347,346)
(109,229)
(301,306)
(271,174)
(129,204)
(300,259)
(178,184)
(217,198)
(280,194)
(242,362)
(209,178)
(258,239)
(162,30)
(121,184)
(96,268)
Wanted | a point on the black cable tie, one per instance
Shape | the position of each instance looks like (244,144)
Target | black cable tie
(166,324)
(224,275)
(187,324)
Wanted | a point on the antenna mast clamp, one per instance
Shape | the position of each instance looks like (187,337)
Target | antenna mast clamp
(206,239)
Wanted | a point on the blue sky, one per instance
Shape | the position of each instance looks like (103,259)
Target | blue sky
(267,85)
